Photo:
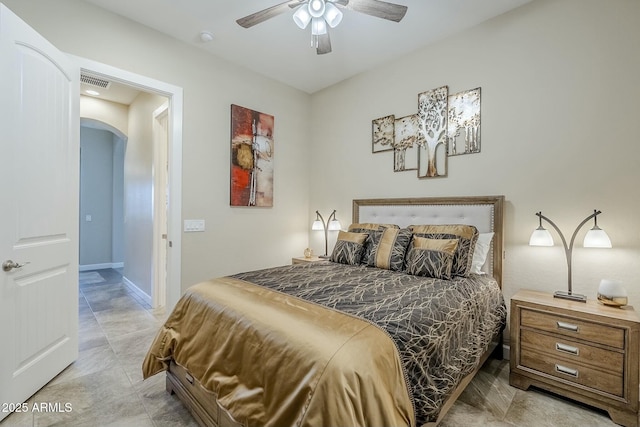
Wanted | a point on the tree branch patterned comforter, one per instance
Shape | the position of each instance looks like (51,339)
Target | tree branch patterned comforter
(440,327)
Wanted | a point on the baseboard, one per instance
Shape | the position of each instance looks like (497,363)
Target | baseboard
(137,291)
(102,266)
(506,352)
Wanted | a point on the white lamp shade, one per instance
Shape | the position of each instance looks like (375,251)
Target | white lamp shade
(541,237)
(302,17)
(318,27)
(316,8)
(596,238)
(317,225)
(334,225)
(332,15)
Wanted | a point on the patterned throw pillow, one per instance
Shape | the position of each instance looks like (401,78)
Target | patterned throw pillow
(372,229)
(388,248)
(431,257)
(348,248)
(467,235)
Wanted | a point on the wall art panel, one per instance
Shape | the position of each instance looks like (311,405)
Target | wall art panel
(464,122)
(405,143)
(382,130)
(432,122)
(252,147)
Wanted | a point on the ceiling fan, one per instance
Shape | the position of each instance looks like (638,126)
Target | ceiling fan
(323,13)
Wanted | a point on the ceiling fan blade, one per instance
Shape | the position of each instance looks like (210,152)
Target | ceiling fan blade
(268,13)
(324,44)
(380,9)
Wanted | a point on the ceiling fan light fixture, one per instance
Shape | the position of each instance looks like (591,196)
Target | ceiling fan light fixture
(302,17)
(316,8)
(318,27)
(324,14)
(332,15)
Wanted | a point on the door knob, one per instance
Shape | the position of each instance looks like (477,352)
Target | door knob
(9,265)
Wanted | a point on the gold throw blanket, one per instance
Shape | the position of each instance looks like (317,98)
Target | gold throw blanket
(276,360)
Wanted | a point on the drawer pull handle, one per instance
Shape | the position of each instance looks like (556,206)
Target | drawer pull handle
(189,378)
(567,326)
(567,371)
(567,348)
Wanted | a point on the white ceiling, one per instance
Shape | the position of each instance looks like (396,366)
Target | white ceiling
(277,48)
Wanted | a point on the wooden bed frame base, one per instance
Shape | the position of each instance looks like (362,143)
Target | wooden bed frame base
(206,411)
(200,402)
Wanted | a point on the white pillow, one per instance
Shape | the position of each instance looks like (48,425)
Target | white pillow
(480,253)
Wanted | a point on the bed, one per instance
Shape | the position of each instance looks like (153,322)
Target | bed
(366,338)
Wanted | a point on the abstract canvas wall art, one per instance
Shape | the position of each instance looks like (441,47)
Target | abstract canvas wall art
(252,149)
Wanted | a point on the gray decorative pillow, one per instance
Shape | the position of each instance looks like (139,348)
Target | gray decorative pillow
(348,248)
(431,257)
(388,248)
(467,235)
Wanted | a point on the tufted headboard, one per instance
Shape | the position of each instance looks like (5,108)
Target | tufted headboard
(484,212)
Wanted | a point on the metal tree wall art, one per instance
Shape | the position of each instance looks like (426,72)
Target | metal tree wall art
(464,115)
(425,141)
(432,118)
(382,131)
(406,137)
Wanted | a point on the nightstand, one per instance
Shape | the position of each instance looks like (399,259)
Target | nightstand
(584,351)
(303,260)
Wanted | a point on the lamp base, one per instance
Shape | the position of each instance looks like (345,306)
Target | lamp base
(570,295)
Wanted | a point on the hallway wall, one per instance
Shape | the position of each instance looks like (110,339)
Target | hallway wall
(100,247)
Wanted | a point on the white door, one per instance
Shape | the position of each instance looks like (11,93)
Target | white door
(39,161)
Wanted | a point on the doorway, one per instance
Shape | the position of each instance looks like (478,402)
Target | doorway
(172,240)
(102,149)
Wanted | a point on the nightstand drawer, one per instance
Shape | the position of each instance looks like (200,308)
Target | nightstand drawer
(571,327)
(556,347)
(608,382)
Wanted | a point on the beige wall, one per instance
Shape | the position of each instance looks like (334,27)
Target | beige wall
(236,239)
(138,192)
(560,110)
(112,113)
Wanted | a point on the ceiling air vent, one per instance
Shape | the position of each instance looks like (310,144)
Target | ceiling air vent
(95,81)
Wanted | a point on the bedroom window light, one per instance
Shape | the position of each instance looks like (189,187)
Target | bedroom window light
(595,238)
(332,224)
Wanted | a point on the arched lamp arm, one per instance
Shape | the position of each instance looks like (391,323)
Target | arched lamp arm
(568,249)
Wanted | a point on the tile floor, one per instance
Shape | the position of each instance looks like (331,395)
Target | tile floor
(105,387)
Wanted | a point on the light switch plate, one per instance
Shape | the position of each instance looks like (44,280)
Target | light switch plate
(193,225)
